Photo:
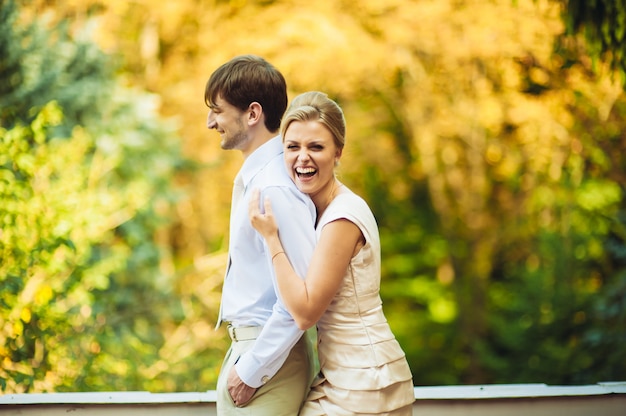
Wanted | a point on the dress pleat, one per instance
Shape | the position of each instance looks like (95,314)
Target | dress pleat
(363,369)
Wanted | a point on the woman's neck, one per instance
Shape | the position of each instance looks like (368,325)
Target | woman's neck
(323,199)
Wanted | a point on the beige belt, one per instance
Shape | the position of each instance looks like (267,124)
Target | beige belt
(244,333)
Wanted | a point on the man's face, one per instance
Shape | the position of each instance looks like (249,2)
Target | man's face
(230,123)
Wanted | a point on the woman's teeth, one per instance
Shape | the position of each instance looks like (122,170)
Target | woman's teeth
(305,171)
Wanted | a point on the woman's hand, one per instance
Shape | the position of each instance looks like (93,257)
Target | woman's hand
(265,223)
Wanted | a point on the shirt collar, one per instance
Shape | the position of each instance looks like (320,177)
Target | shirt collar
(259,158)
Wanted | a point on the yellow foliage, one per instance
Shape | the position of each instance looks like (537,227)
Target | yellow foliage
(348,51)
(445,81)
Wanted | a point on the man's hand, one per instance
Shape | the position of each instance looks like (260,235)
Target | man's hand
(239,391)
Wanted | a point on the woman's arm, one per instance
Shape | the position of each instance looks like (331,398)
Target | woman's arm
(307,299)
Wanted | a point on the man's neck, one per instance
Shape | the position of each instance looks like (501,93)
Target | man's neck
(257,139)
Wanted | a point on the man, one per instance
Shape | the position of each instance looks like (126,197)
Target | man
(267,368)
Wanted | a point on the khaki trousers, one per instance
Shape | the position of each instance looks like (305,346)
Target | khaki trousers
(282,395)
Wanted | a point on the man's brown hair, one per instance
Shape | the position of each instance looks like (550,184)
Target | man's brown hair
(246,79)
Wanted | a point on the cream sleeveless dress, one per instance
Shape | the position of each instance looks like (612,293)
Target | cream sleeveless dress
(363,369)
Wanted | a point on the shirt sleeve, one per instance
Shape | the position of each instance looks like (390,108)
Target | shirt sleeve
(295,218)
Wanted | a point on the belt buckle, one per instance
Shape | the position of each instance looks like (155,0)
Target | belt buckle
(233,333)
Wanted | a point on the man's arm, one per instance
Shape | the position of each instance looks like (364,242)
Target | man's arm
(295,219)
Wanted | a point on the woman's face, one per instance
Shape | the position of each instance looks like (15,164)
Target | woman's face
(310,157)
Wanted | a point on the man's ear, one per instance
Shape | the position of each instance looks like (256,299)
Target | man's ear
(255,112)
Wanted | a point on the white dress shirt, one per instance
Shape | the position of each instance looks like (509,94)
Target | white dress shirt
(250,296)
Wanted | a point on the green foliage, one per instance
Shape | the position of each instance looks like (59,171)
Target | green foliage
(86,170)
(39,64)
(495,211)
(603,25)
(54,214)
(495,168)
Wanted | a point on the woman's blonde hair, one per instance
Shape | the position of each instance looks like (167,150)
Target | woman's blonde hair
(316,106)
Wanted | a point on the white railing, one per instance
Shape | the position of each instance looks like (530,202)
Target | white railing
(603,399)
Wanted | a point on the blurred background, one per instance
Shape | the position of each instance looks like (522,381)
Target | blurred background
(488,136)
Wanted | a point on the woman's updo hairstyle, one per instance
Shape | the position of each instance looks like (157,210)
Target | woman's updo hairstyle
(316,106)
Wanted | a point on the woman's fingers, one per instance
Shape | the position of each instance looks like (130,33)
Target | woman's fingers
(267,204)
(253,207)
(264,222)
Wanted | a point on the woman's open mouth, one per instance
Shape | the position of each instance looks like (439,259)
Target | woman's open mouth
(305,172)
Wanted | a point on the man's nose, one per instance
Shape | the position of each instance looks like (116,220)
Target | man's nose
(210,120)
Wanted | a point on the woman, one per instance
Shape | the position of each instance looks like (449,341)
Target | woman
(362,367)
